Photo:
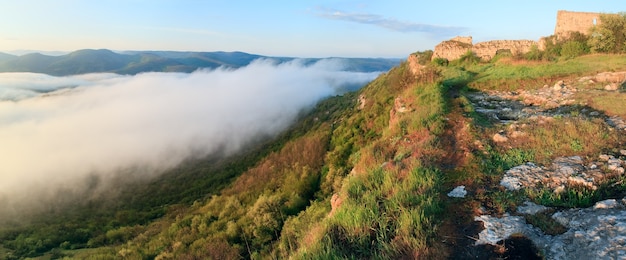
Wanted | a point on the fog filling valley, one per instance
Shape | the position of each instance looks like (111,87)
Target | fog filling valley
(58,132)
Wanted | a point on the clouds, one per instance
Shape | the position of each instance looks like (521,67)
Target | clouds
(100,124)
(390,23)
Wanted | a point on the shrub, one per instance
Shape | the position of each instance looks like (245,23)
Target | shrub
(441,61)
(573,49)
(469,58)
(424,57)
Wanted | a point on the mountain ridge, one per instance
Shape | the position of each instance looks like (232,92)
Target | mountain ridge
(134,62)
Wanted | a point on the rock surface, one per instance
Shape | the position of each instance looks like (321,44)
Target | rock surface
(564,172)
(597,232)
(458,192)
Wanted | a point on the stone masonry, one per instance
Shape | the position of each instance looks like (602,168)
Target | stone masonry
(456,47)
(575,22)
(566,22)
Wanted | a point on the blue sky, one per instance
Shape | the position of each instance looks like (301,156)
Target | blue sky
(279,28)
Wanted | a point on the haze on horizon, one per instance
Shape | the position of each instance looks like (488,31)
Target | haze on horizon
(284,28)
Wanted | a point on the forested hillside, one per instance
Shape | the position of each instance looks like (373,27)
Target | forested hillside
(133,62)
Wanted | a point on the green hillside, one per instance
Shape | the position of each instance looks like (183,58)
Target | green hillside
(366,175)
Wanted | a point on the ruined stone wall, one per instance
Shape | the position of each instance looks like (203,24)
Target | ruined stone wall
(565,22)
(463,39)
(487,50)
(452,49)
(575,22)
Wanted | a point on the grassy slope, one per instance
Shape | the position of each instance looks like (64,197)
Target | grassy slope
(369,181)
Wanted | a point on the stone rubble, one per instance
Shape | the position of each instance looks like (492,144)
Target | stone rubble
(507,106)
(597,232)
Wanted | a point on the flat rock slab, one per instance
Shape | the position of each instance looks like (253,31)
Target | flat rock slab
(597,232)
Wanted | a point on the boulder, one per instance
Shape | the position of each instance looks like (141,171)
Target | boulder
(611,87)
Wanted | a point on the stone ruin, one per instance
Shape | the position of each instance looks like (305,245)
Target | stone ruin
(456,47)
(582,22)
(566,22)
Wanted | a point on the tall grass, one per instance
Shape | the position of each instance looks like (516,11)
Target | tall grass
(390,205)
(512,76)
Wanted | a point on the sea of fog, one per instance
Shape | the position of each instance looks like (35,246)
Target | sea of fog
(57,131)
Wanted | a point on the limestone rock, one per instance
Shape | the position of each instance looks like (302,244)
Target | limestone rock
(605,204)
(611,87)
(598,232)
(458,192)
(611,77)
(531,208)
(558,86)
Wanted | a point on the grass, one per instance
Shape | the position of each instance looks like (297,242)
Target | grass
(390,211)
(560,136)
(571,197)
(545,222)
(369,182)
(611,103)
(510,76)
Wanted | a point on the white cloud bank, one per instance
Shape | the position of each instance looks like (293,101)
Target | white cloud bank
(102,123)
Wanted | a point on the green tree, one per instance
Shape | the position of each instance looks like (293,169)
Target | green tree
(610,35)
(267,218)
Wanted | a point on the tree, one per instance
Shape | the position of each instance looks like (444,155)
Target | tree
(267,217)
(610,35)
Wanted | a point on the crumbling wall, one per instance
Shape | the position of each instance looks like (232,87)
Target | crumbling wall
(566,22)
(487,50)
(575,22)
(453,49)
(463,39)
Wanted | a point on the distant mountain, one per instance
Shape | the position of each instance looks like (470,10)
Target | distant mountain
(133,62)
(5,56)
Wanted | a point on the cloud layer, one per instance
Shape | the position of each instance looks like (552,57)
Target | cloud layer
(55,132)
(390,23)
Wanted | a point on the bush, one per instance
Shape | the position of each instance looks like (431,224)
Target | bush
(534,53)
(572,49)
(469,58)
(424,57)
(441,61)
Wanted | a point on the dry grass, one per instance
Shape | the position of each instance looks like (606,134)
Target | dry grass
(611,103)
(565,136)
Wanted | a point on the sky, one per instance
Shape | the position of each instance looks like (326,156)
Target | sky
(324,28)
